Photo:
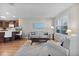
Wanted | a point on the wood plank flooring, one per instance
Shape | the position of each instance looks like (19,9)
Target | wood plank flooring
(10,48)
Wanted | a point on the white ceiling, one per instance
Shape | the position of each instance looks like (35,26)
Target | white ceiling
(24,10)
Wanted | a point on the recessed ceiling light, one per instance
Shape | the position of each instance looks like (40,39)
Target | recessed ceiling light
(13,16)
(7,13)
(2,16)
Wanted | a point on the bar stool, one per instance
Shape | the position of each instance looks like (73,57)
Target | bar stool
(7,36)
(19,35)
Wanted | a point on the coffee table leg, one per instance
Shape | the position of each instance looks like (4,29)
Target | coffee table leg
(31,42)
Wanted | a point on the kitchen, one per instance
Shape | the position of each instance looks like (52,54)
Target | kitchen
(9,30)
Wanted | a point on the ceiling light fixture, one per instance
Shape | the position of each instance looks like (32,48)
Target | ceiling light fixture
(2,16)
(13,16)
(7,13)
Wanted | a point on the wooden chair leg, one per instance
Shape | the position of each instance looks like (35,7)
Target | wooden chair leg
(4,40)
(10,39)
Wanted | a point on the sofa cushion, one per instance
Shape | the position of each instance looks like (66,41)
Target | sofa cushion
(59,37)
(39,35)
(33,33)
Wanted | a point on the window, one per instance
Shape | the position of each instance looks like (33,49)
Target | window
(62,24)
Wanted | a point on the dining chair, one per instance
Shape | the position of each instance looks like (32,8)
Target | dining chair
(7,36)
(19,34)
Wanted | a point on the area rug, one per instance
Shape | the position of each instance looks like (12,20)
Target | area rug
(42,49)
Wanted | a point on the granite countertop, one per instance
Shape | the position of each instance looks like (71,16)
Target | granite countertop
(6,30)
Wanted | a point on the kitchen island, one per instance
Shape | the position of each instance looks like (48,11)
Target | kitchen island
(7,35)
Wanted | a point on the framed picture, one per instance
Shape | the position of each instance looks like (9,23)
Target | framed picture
(39,25)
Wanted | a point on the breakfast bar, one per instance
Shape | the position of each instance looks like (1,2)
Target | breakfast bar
(9,30)
(7,35)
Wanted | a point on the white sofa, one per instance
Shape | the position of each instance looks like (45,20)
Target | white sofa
(62,39)
(59,37)
(38,36)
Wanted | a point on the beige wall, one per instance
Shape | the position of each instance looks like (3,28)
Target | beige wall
(28,23)
(73,24)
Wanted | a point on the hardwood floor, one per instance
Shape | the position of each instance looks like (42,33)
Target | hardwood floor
(10,48)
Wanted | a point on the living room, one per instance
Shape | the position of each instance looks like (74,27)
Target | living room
(39,28)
